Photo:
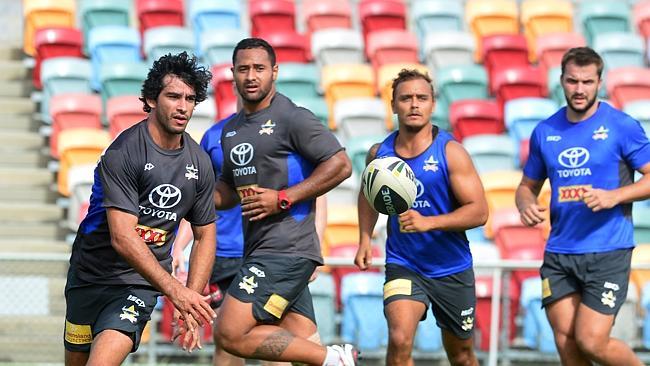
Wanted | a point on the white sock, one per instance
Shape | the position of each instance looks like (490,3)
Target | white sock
(332,358)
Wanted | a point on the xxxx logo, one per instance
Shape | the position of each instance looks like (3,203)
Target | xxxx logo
(246,191)
(571,193)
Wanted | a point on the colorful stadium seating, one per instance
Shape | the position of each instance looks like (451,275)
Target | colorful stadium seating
(390,46)
(217,47)
(360,116)
(289,45)
(474,117)
(628,84)
(99,13)
(55,42)
(448,48)
(603,16)
(460,82)
(503,51)
(160,41)
(540,17)
(73,110)
(123,112)
(357,150)
(487,18)
(38,14)
(343,81)
(325,14)
(213,17)
(78,146)
(337,46)
(159,13)
(276,15)
(112,43)
(63,75)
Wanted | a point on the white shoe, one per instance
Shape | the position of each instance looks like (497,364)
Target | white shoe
(348,355)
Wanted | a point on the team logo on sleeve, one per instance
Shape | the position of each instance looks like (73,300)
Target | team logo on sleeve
(430,165)
(148,167)
(191,172)
(267,128)
(601,133)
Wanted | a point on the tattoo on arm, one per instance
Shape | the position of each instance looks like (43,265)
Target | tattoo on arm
(273,346)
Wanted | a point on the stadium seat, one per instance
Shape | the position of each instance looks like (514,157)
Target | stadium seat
(316,105)
(482,314)
(360,116)
(54,42)
(603,16)
(160,41)
(550,48)
(325,14)
(347,252)
(626,325)
(540,17)
(627,84)
(385,76)
(460,82)
(80,181)
(518,82)
(474,117)
(500,187)
(63,75)
(223,89)
(641,219)
(323,296)
(289,45)
(357,150)
(486,18)
(641,14)
(389,46)
(112,43)
(491,152)
(645,308)
(78,146)
(448,48)
(432,16)
(439,118)
(343,81)
(38,14)
(342,228)
(203,117)
(555,90)
(159,13)
(484,251)
(98,13)
(363,321)
(503,51)
(337,46)
(122,78)
(123,112)
(641,277)
(536,330)
(216,47)
(214,17)
(619,49)
(276,15)
(73,110)
(521,115)
(298,80)
(640,110)
(381,14)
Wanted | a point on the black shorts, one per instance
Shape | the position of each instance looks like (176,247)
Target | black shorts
(91,309)
(224,271)
(452,298)
(600,278)
(275,285)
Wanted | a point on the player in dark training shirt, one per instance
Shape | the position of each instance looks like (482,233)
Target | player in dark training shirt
(152,176)
(277,159)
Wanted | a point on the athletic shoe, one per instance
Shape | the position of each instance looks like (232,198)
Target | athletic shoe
(348,354)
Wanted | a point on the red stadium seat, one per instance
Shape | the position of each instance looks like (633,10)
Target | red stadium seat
(475,116)
(289,45)
(389,46)
(381,14)
(123,112)
(39,14)
(73,110)
(552,46)
(55,42)
(641,15)
(524,149)
(222,85)
(517,82)
(156,13)
(482,314)
(348,251)
(627,84)
(322,14)
(267,15)
(503,51)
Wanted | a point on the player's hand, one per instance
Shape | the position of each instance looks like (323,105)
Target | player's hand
(194,308)
(363,259)
(178,262)
(260,205)
(413,221)
(191,339)
(599,199)
(532,215)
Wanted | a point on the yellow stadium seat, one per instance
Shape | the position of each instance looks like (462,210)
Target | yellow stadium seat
(640,255)
(342,226)
(540,17)
(385,76)
(487,17)
(343,81)
(39,14)
(79,146)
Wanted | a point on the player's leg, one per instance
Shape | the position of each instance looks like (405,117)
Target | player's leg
(561,315)
(224,271)
(110,347)
(403,317)
(83,302)
(76,358)
(459,351)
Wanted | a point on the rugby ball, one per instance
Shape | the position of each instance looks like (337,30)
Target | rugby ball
(389,185)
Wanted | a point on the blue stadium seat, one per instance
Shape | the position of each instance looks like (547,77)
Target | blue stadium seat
(64,75)
(364,323)
(112,43)
(97,13)
(603,16)
(522,115)
(160,41)
(491,152)
(122,78)
(436,15)
(298,80)
(619,49)
(359,117)
(216,47)
(357,149)
(337,46)
(447,48)
(460,82)
(536,330)
(212,15)
(428,337)
(641,219)
(639,110)
(323,295)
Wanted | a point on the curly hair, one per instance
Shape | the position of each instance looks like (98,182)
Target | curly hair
(408,75)
(182,65)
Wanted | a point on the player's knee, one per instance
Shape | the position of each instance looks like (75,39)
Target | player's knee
(226,338)
(461,356)
(592,346)
(401,340)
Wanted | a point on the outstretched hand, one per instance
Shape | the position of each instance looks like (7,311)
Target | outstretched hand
(261,204)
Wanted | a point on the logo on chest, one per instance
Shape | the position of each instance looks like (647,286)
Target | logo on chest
(241,155)
(573,159)
(163,197)
(267,128)
(420,203)
(430,165)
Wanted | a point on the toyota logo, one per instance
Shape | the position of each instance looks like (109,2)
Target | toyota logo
(420,188)
(241,154)
(573,157)
(165,196)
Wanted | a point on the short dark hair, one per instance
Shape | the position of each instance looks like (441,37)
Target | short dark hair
(185,67)
(408,75)
(583,56)
(248,43)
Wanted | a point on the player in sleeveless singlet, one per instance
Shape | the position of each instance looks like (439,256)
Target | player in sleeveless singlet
(588,150)
(428,261)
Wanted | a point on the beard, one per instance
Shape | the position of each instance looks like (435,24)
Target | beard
(590,103)
(253,98)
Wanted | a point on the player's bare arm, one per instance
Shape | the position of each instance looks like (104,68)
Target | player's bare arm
(601,199)
(367,220)
(225,196)
(326,176)
(468,191)
(531,213)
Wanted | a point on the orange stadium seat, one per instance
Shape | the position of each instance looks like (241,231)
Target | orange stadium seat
(491,17)
(79,146)
(222,86)
(391,46)
(38,14)
(342,226)
(540,17)
(123,112)
(475,116)
(156,13)
(385,76)
(267,15)
(550,48)
(641,13)
(289,45)
(641,254)
(381,14)
(500,190)
(627,84)
(322,14)
(343,81)
(55,42)
(73,110)
(517,82)
(502,51)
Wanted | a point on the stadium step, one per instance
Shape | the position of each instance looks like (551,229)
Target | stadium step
(19,140)
(11,177)
(34,245)
(32,230)
(30,212)
(17,122)
(17,105)
(57,268)
(27,194)
(22,158)
(15,88)
(14,70)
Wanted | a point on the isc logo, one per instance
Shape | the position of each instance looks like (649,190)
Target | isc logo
(246,191)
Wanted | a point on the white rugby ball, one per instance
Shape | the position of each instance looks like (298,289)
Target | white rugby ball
(389,185)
